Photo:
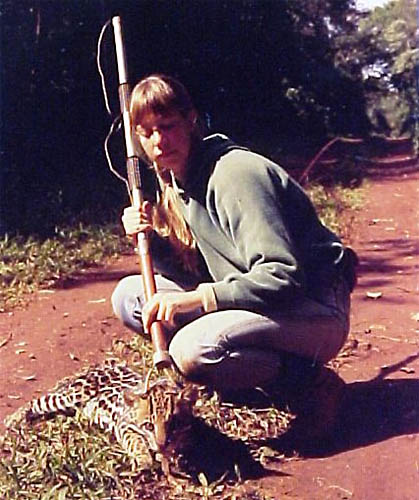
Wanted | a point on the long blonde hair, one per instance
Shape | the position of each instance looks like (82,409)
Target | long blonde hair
(161,94)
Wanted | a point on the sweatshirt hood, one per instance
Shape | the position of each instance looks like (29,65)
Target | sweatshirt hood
(203,159)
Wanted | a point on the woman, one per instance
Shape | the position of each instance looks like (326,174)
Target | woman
(253,290)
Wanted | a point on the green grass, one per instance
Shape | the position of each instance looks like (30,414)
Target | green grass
(29,264)
(332,203)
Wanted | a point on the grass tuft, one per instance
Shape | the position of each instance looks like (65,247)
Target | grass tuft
(333,203)
(28,264)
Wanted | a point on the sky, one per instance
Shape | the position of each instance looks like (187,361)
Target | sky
(370,4)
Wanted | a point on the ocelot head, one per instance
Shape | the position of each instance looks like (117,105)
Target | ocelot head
(162,416)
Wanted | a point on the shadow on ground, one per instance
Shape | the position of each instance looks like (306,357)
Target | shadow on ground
(370,412)
(217,456)
(94,275)
(386,258)
(375,411)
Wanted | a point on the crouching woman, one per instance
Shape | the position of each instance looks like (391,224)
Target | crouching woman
(253,290)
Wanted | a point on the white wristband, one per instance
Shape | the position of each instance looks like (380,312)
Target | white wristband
(209,301)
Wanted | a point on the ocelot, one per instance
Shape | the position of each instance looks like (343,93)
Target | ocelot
(156,414)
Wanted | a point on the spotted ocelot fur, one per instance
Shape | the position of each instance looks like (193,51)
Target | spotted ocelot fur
(121,401)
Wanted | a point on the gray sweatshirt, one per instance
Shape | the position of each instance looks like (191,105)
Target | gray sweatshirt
(256,229)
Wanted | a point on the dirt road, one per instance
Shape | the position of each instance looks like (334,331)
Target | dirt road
(376,451)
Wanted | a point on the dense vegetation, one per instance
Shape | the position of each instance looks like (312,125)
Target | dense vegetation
(276,74)
(383,52)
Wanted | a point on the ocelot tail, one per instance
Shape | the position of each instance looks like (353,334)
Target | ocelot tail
(156,414)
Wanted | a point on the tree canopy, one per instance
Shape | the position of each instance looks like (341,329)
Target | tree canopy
(270,73)
(383,52)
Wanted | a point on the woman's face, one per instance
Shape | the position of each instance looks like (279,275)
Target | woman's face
(166,140)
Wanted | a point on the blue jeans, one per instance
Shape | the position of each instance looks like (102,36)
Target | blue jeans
(239,349)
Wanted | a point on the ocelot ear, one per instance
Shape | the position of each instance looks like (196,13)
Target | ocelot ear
(130,398)
(141,405)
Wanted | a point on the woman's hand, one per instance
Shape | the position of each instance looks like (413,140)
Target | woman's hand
(137,220)
(164,306)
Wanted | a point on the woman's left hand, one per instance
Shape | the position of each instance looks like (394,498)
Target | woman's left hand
(164,306)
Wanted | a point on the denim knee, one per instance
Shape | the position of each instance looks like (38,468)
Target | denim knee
(125,303)
(186,358)
(193,358)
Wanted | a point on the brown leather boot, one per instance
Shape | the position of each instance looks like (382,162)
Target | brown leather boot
(316,405)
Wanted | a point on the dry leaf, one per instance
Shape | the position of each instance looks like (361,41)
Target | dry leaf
(13,396)
(377,327)
(20,351)
(73,356)
(98,301)
(202,479)
(29,377)
(374,295)
(6,340)
(415,316)
(407,370)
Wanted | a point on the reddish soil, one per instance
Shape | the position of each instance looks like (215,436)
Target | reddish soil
(375,453)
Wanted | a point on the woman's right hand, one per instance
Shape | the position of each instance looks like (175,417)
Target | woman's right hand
(137,220)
